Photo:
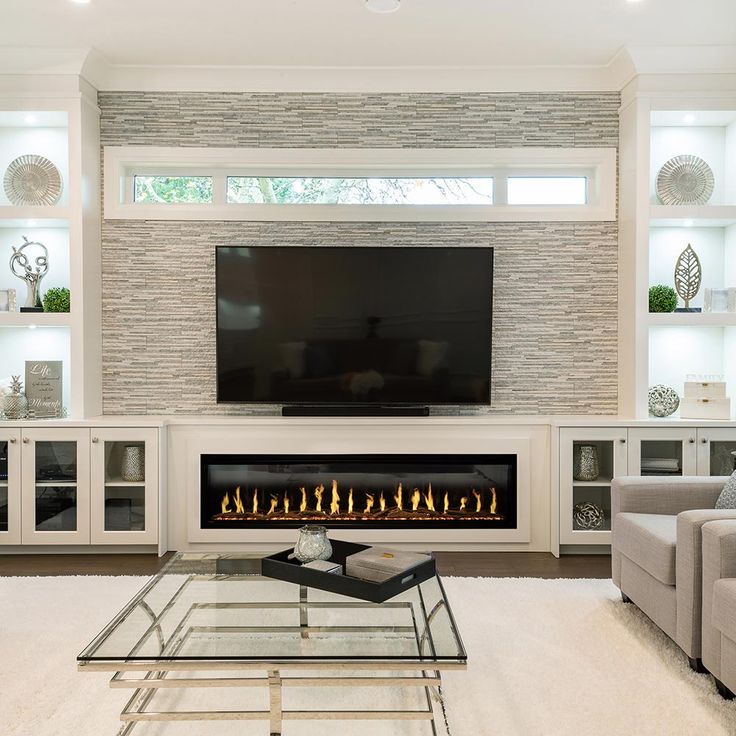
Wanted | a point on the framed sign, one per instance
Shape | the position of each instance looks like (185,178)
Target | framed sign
(44,388)
(7,300)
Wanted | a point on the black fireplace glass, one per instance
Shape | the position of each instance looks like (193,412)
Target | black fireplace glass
(440,491)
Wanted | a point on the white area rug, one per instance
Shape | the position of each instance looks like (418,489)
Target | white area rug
(547,658)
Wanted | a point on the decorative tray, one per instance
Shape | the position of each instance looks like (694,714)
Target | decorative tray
(279,566)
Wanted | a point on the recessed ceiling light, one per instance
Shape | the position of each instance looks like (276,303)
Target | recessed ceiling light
(30,119)
(382,6)
(689,119)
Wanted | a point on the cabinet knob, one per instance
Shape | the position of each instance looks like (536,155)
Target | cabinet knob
(691,440)
(623,440)
(95,440)
(13,440)
(26,440)
(704,441)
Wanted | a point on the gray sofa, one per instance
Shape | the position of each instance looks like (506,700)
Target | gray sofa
(719,604)
(657,550)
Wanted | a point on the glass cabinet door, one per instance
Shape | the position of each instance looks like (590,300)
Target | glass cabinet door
(662,451)
(56,486)
(124,486)
(716,451)
(10,486)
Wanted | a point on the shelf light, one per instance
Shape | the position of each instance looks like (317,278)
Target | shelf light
(687,223)
(32,327)
(30,119)
(30,223)
(689,119)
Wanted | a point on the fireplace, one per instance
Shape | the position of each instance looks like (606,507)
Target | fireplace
(376,491)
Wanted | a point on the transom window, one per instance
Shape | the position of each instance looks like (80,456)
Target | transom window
(394,185)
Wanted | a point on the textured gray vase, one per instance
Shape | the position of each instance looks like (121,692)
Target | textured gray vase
(585,463)
(312,544)
(15,406)
(133,467)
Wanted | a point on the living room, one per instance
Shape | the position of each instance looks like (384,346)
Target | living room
(366,364)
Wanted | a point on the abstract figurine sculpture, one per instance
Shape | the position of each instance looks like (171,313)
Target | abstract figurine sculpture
(30,271)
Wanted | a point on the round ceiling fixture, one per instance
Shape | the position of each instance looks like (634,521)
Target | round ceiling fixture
(383,6)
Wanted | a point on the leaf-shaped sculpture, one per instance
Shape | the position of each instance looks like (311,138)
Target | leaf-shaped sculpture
(688,275)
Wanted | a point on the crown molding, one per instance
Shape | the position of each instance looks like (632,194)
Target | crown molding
(627,65)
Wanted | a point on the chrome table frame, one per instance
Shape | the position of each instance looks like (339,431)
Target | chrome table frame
(378,672)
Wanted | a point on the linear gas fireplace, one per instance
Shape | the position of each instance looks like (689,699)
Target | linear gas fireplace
(441,491)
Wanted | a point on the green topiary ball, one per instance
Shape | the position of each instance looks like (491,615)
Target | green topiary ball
(662,298)
(56,300)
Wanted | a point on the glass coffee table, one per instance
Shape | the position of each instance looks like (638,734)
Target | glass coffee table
(212,621)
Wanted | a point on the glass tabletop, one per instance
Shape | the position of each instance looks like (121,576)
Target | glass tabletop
(219,607)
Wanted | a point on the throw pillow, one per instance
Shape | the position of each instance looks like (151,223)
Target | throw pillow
(727,499)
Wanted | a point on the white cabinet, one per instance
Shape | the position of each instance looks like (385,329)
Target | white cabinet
(662,451)
(124,472)
(589,458)
(9,486)
(716,451)
(79,485)
(55,486)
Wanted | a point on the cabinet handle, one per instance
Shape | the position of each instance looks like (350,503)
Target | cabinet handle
(13,440)
(704,441)
(623,440)
(691,440)
(26,440)
(95,440)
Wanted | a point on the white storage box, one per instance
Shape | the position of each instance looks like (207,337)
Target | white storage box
(381,563)
(705,389)
(718,408)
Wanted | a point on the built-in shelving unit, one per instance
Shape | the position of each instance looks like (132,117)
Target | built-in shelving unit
(64,130)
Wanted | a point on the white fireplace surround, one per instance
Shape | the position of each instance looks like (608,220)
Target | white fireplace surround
(435,435)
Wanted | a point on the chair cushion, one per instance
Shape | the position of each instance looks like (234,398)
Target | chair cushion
(650,541)
(724,607)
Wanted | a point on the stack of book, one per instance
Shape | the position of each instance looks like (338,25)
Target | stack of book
(660,466)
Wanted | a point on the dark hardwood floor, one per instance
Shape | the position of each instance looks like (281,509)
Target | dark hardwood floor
(464,564)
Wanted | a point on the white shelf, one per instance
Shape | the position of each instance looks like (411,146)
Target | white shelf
(40,212)
(708,215)
(117,483)
(59,484)
(692,319)
(25,319)
(591,483)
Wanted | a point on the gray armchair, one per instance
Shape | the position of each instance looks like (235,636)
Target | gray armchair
(657,550)
(719,604)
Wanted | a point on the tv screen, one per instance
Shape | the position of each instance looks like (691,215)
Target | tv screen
(347,325)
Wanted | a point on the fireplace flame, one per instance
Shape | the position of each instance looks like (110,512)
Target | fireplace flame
(335,503)
(416,497)
(493,500)
(255,501)
(368,503)
(398,498)
(463,502)
(274,503)
(286,504)
(239,508)
(382,502)
(429,499)
(350,501)
(303,504)
(226,503)
(318,491)
(477,501)
(446,504)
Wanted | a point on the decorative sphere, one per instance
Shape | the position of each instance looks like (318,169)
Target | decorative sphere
(663,400)
(588,516)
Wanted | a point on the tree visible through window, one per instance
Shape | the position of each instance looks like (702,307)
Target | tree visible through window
(364,191)
(173,189)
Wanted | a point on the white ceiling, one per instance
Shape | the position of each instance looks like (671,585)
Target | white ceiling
(341,33)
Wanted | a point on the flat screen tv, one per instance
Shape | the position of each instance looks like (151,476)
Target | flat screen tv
(354,325)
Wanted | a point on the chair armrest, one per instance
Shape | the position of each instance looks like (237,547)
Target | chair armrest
(689,574)
(664,494)
(719,561)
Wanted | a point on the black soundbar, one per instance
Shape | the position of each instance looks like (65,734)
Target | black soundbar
(348,410)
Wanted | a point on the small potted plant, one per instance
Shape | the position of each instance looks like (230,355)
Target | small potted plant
(662,298)
(57,299)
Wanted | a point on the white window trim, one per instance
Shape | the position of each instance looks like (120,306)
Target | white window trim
(121,163)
